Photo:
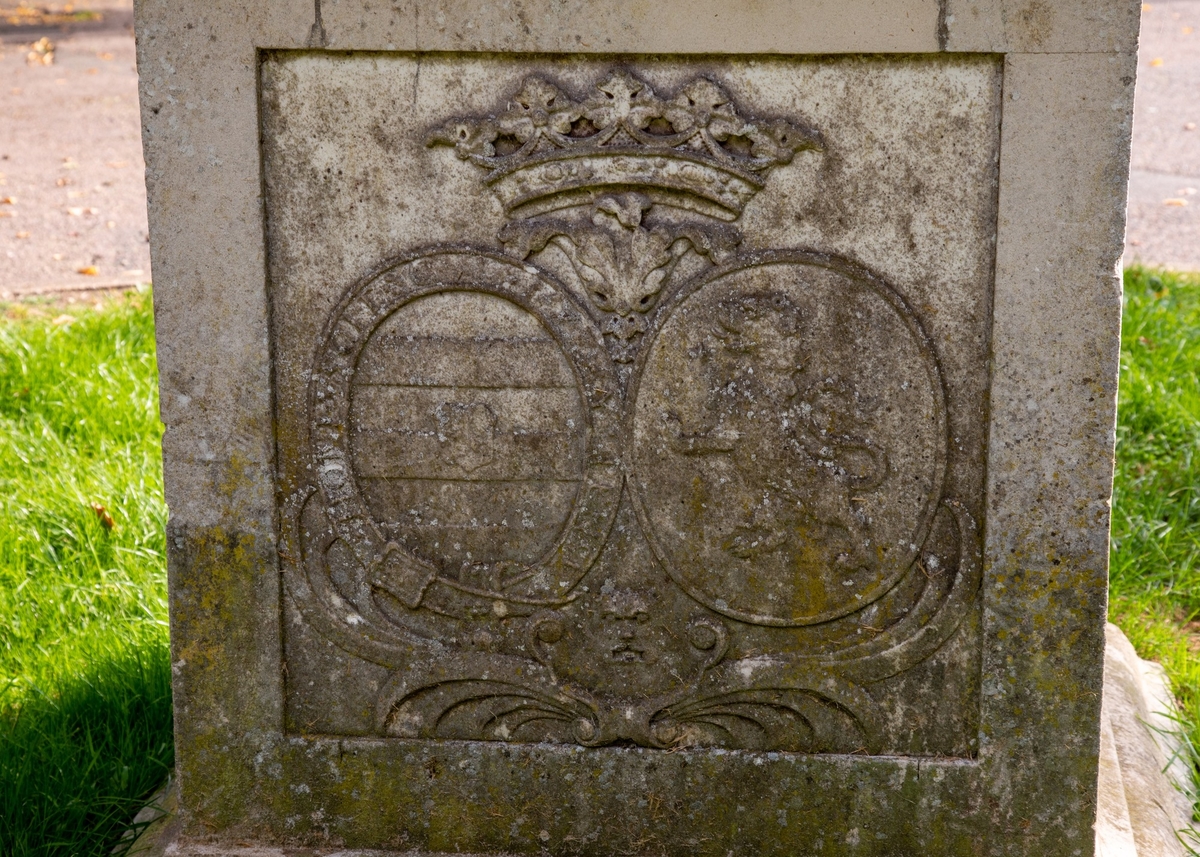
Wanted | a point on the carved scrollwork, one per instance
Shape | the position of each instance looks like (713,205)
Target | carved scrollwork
(468,705)
(949,585)
(756,703)
(762,703)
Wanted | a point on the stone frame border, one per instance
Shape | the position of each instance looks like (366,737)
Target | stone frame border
(1069,67)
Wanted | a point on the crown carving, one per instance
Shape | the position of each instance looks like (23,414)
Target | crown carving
(693,150)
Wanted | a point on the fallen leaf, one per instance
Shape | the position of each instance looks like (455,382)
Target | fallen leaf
(1146,7)
(89,271)
(62,319)
(116,165)
(1187,31)
(1156,62)
(80,212)
(133,272)
(57,257)
(92,71)
(7,214)
(62,182)
(102,513)
(8,200)
(1189,126)
(22,234)
(112,224)
(107,57)
(41,52)
(1175,202)
(69,164)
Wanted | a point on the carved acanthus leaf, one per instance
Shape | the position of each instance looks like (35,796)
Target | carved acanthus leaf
(622,264)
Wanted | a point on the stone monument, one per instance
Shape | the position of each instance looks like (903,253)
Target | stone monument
(673,429)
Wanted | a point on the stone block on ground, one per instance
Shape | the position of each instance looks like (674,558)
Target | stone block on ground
(1147,785)
(657,430)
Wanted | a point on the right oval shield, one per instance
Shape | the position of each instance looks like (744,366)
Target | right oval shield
(789,440)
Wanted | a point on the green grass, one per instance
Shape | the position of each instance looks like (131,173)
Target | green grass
(1155,555)
(84,675)
(85,719)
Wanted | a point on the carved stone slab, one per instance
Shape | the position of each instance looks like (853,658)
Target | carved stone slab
(657,415)
(637,429)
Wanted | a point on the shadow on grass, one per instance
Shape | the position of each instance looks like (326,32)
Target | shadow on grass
(79,758)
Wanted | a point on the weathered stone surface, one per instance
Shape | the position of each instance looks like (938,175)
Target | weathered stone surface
(630,26)
(1145,783)
(687,431)
(1038,26)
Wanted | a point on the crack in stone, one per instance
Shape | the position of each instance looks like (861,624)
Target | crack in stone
(316,36)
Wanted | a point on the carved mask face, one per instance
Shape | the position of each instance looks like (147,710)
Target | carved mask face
(624,615)
(626,644)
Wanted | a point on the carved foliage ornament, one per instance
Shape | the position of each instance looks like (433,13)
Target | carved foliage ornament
(675,495)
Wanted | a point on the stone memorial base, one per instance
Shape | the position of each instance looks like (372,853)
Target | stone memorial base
(1145,808)
(654,429)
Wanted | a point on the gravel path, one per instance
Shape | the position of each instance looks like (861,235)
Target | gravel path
(1164,186)
(72,202)
(72,196)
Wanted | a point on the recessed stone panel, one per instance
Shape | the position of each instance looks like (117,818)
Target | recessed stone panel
(633,401)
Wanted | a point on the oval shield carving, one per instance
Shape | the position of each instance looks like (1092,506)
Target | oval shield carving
(464,438)
(789,439)
(456,472)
